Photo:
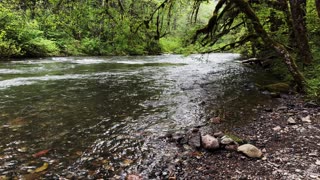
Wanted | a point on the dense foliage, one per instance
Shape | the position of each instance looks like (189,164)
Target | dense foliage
(268,30)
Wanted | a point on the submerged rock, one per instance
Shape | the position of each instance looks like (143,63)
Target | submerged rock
(210,142)
(250,150)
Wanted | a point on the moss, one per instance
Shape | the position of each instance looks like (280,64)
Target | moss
(235,138)
(278,87)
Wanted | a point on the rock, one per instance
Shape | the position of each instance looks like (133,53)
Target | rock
(318,162)
(282,108)
(210,142)
(225,140)
(231,147)
(250,150)
(215,120)
(306,119)
(133,177)
(264,158)
(311,105)
(268,109)
(218,134)
(291,121)
(277,128)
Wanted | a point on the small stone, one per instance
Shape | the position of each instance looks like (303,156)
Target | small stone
(229,155)
(133,177)
(264,158)
(313,154)
(231,147)
(313,176)
(306,119)
(291,121)
(218,134)
(298,170)
(250,150)
(318,162)
(215,120)
(210,142)
(268,109)
(281,108)
(264,150)
(277,128)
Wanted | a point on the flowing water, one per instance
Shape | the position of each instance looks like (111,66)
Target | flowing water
(100,115)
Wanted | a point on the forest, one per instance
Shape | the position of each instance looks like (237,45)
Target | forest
(267,30)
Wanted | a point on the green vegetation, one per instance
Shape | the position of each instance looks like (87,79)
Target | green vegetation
(284,33)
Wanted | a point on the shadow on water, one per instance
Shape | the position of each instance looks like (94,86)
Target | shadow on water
(99,117)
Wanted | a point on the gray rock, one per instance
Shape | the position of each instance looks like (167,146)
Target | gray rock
(210,142)
(250,150)
(291,121)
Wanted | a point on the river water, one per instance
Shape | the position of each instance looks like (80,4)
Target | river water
(101,115)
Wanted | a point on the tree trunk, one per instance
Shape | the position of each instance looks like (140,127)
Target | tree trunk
(318,7)
(298,14)
(279,48)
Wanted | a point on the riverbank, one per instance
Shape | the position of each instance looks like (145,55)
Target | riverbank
(290,149)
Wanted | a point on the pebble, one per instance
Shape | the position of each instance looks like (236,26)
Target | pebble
(297,170)
(277,128)
(318,162)
(291,121)
(306,119)
(313,176)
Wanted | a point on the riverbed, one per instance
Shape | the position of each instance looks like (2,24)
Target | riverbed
(83,116)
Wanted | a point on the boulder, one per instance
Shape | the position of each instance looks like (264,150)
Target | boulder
(210,142)
(250,150)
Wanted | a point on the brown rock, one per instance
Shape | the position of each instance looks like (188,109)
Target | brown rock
(250,150)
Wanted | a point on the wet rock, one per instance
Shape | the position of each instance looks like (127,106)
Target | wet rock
(250,150)
(291,121)
(195,140)
(215,120)
(306,119)
(210,142)
(277,128)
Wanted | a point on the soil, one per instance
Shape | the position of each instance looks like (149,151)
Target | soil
(290,150)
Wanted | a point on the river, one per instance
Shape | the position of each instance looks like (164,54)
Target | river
(102,115)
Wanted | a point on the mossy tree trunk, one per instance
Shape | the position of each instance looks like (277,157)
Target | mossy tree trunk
(298,13)
(279,48)
(318,7)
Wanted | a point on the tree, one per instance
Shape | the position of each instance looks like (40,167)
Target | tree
(298,13)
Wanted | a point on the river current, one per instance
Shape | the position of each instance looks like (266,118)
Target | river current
(91,115)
